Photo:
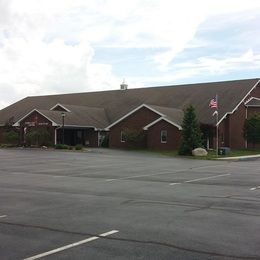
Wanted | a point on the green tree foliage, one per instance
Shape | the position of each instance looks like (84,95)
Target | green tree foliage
(252,129)
(191,134)
(105,141)
(38,137)
(134,137)
(11,137)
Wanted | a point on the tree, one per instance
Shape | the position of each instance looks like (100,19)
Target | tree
(134,137)
(191,134)
(252,129)
(38,137)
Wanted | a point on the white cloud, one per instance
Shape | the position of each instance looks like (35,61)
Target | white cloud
(191,18)
(223,65)
(48,46)
(39,67)
(205,66)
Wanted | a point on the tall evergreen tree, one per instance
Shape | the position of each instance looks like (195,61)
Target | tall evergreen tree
(191,134)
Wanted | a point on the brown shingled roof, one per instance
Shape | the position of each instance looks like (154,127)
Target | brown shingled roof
(253,102)
(173,114)
(84,116)
(78,116)
(116,103)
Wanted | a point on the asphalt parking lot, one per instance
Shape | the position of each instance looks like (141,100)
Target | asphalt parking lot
(107,204)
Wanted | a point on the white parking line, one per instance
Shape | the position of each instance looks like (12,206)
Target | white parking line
(71,245)
(206,178)
(258,187)
(3,216)
(175,183)
(163,173)
(110,179)
(200,179)
(143,175)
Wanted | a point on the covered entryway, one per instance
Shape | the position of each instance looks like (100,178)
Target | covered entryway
(74,136)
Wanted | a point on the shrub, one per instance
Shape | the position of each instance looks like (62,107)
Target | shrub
(134,136)
(62,146)
(11,137)
(79,147)
(105,141)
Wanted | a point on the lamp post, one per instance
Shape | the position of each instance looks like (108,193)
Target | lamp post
(63,116)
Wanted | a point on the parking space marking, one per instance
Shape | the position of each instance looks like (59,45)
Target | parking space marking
(206,178)
(3,216)
(144,175)
(258,187)
(54,251)
(163,173)
(174,183)
(199,179)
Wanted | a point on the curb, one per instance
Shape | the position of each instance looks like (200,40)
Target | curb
(241,158)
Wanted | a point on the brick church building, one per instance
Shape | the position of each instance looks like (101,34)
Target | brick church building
(157,112)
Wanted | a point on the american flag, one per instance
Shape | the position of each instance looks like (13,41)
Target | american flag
(213,103)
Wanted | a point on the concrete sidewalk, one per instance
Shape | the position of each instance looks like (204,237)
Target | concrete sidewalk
(241,158)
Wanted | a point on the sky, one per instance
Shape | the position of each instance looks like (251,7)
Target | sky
(65,46)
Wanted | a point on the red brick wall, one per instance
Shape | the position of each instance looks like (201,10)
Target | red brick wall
(231,128)
(35,119)
(253,110)
(137,120)
(154,136)
(237,120)
(256,92)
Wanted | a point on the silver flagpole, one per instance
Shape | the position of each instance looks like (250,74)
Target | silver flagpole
(217,126)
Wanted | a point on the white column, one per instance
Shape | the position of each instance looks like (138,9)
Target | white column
(55,136)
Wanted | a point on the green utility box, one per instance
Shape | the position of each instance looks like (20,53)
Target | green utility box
(223,150)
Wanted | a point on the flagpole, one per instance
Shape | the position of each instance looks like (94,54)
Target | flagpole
(217,127)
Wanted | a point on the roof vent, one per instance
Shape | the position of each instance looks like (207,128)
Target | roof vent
(123,86)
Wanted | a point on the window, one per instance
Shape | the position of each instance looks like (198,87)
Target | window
(123,137)
(163,136)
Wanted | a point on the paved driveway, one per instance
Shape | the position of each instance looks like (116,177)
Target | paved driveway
(108,204)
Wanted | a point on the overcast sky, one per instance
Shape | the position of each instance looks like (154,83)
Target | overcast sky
(64,46)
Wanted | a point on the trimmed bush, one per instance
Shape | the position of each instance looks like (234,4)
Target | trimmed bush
(62,146)
(79,147)
(11,137)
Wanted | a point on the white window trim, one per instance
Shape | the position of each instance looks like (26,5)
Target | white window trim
(121,137)
(164,142)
